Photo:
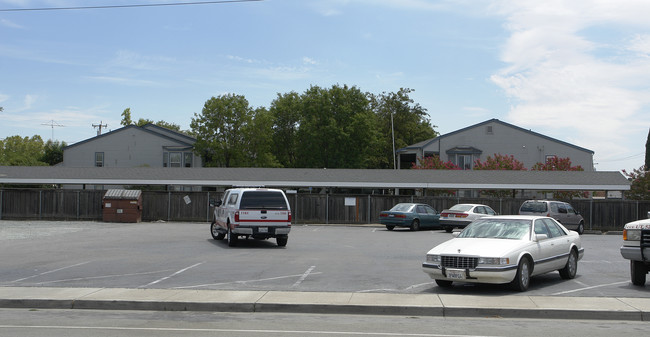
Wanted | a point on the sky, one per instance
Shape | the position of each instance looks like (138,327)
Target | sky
(574,70)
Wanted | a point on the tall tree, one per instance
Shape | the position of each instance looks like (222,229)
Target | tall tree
(647,153)
(53,152)
(286,110)
(21,151)
(409,125)
(258,136)
(126,120)
(337,128)
(218,129)
(640,188)
(126,117)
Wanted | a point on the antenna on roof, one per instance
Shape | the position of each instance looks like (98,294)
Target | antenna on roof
(100,126)
(52,124)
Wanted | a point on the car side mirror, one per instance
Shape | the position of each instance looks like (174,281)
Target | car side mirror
(541,237)
(455,234)
(215,203)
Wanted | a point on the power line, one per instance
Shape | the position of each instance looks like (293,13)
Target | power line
(125,6)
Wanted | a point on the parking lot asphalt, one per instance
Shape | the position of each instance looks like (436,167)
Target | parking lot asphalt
(319,302)
(440,305)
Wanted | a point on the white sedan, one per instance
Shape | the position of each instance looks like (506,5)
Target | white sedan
(505,249)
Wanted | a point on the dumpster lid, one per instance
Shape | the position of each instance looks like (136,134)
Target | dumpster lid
(122,194)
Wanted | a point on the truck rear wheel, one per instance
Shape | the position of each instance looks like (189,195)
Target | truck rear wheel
(637,272)
(232,238)
(282,240)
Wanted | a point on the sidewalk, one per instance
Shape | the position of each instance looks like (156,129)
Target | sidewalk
(546,307)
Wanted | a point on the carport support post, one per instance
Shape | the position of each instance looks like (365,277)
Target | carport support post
(169,204)
(1,192)
(327,208)
(369,209)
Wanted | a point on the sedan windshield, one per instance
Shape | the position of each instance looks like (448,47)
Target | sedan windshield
(514,229)
(461,207)
(401,208)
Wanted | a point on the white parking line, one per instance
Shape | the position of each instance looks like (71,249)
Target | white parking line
(51,271)
(303,277)
(592,287)
(100,277)
(172,275)
(243,282)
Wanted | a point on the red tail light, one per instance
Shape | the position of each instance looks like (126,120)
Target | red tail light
(400,216)
(289,218)
(236,216)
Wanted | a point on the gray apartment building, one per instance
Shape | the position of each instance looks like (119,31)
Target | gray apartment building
(491,137)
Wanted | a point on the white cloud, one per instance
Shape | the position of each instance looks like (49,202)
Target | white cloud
(125,81)
(132,60)
(10,24)
(570,83)
(309,60)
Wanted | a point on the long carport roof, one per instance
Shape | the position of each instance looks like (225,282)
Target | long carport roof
(343,178)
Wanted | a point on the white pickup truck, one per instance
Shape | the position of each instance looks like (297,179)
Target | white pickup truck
(260,213)
(636,248)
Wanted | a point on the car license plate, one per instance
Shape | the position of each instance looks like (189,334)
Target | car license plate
(263,230)
(391,215)
(456,274)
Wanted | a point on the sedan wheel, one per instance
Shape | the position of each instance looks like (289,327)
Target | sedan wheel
(522,279)
(569,271)
(389,227)
(415,225)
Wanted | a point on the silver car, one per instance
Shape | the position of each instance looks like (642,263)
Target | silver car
(558,210)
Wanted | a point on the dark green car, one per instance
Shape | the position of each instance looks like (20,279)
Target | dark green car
(413,216)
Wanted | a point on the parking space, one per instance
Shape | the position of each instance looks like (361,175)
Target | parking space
(316,258)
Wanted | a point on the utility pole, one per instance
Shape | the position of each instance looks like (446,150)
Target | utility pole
(52,124)
(100,126)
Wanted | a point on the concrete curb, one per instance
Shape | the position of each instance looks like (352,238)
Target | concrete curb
(545,307)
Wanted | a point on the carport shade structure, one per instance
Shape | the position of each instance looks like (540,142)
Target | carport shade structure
(342,178)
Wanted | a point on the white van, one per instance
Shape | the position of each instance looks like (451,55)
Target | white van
(260,213)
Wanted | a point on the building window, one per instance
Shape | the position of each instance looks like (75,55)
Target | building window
(464,161)
(489,130)
(178,159)
(99,159)
(175,159)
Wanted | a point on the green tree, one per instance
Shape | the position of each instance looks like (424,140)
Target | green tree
(286,111)
(337,128)
(647,153)
(22,151)
(219,130)
(126,120)
(258,135)
(53,152)
(410,124)
(640,188)
(126,117)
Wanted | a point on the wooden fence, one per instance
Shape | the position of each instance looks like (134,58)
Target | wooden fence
(47,204)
